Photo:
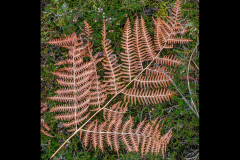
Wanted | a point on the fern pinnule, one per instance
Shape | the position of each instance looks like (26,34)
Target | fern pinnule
(152,81)
(168,60)
(67,107)
(174,39)
(138,130)
(46,133)
(150,139)
(131,64)
(110,64)
(165,140)
(44,125)
(138,45)
(66,41)
(147,97)
(44,107)
(115,137)
(70,116)
(87,135)
(101,135)
(147,41)
(87,29)
(159,36)
(128,139)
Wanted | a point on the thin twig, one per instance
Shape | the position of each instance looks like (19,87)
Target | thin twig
(194,106)
(178,91)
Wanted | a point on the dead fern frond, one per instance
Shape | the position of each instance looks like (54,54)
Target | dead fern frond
(68,40)
(44,125)
(44,107)
(87,29)
(145,136)
(147,97)
(76,81)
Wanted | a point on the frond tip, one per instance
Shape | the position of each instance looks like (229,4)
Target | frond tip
(68,40)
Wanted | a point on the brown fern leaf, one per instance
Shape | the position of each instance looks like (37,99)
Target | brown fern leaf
(155,134)
(98,93)
(131,64)
(115,111)
(174,39)
(168,60)
(165,140)
(110,64)
(138,45)
(94,136)
(176,12)
(167,32)
(115,137)
(46,133)
(72,115)
(146,40)
(87,135)
(162,31)
(145,138)
(97,90)
(44,125)
(152,81)
(159,35)
(44,107)
(114,132)
(138,130)
(151,136)
(68,40)
(128,139)
(87,29)
(101,135)
(175,25)
(148,96)
(76,81)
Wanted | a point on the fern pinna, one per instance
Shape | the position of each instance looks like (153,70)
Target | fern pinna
(82,87)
